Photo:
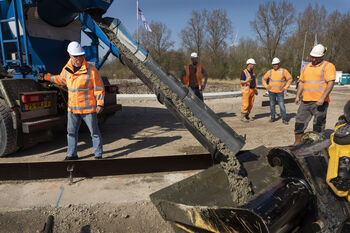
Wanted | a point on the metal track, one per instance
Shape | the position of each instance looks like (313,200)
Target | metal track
(103,167)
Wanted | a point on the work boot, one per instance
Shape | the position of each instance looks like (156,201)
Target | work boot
(285,122)
(244,117)
(297,139)
(74,157)
(272,119)
(249,118)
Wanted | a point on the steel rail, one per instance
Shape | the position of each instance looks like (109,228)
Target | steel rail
(103,167)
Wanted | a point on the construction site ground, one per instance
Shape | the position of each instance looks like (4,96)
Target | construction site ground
(121,203)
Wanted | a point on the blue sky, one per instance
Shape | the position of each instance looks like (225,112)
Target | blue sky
(175,13)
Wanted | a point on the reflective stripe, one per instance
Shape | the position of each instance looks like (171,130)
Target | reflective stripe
(98,88)
(276,81)
(270,74)
(275,86)
(98,75)
(59,76)
(264,79)
(289,78)
(86,85)
(52,78)
(314,81)
(78,90)
(100,97)
(314,90)
(199,69)
(282,74)
(322,74)
(81,108)
(305,67)
(244,88)
(248,76)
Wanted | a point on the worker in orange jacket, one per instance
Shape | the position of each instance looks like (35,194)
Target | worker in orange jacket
(248,89)
(315,83)
(279,81)
(85,98)
(192,76)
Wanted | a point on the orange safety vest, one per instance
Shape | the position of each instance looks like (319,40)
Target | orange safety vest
(277,81)
(85,87)
(199,76)
(314,81)
(245,87)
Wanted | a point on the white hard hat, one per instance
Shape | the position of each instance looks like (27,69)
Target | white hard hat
(194,55)
(74,48)
(318,51)
(251,61)
(276,61)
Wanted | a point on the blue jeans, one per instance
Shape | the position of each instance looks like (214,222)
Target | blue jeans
(74,121)
(197,92)
(280,98)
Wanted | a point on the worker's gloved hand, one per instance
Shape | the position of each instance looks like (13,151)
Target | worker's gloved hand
(268,87)
(99,109)
(41,76)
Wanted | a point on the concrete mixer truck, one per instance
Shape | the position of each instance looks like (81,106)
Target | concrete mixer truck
(33,38)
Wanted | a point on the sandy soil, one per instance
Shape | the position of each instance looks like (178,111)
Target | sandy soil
(143,128)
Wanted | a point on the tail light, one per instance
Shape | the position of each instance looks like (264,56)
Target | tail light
(32,98)
(112,88)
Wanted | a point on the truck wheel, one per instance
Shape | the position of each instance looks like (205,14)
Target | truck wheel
(8,139)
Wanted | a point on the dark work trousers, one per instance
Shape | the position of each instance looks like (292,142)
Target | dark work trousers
(306,111)
(197,92)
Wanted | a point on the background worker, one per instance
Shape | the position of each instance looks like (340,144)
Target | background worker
(279,81)
(85,98)
(248,89)
(316,83)
(192,76)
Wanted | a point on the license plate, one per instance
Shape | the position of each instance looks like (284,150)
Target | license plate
(37,105)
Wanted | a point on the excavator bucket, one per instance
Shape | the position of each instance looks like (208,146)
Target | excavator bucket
(204,202)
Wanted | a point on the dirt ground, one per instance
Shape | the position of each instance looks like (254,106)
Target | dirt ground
(121,204)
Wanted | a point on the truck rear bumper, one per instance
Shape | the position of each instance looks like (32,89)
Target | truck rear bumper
(34,126)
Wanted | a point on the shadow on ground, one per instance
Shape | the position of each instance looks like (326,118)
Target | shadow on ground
(125,124)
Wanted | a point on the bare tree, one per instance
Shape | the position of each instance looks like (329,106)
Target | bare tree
(239,54)
(271,23)
(312,20)
(219,28)
(158,41)
(193,35)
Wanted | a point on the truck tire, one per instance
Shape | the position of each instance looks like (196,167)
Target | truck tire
(8,138)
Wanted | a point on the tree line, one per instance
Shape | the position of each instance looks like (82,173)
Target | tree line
(280,32)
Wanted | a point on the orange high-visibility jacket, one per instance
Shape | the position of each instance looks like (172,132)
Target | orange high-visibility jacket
(315,80)
(85,87)
(199,76)
(245,87)
(277,80)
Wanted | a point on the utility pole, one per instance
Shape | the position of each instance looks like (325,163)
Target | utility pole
(302,59)
(137,19)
